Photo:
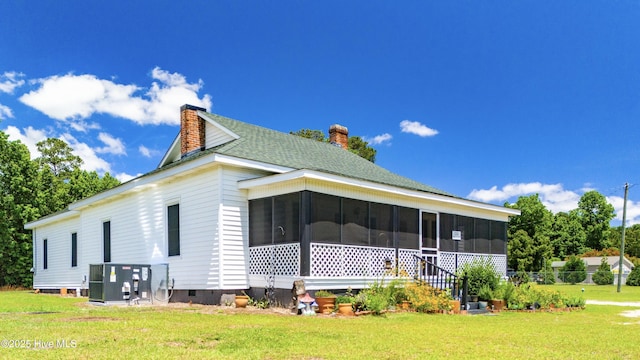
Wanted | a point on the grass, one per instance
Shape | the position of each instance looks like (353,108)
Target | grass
(600,292)
(210,332)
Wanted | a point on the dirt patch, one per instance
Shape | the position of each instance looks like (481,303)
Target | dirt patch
(90,318)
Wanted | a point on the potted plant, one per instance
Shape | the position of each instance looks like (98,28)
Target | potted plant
(326,301)
(484,295)
(242,300)
(497,300)
(345,304)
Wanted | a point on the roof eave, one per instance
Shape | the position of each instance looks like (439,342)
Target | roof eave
(337,179)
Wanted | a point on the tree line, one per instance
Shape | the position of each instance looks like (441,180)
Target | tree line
(31,189)
(538,236)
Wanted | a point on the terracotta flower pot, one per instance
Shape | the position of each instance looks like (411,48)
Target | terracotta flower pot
(498,305)
(326,304)
(241,301)
(345,309)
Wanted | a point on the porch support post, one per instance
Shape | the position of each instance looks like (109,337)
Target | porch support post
(305,233)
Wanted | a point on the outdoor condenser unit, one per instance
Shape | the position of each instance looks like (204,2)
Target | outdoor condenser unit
(124,283)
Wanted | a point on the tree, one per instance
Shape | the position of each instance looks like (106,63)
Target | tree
(18,205)
(30,189)
(603,276)
(634,277)
(595,214)
(59,156)
(567,235)
(529,234)
(362,148)
(355,143)
(573,271)
(631,239)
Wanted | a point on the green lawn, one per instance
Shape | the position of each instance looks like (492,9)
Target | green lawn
(210,332)
(600,292)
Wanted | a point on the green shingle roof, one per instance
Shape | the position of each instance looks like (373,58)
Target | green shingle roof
(273,147)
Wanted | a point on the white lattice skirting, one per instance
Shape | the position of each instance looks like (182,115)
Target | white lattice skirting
(447,260)
(285,258)
(331,260)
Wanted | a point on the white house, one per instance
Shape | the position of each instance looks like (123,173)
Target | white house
(233,206)
(593,263)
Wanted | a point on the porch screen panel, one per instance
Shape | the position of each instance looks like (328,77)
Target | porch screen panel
(483,243)
(466,225)
(446,227)
(498,237)
(286,214)
(355,219)
(325,218)
(429,229)
(381,225)
(408,228)
(260,213)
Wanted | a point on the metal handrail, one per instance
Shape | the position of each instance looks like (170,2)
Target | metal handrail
(441,279)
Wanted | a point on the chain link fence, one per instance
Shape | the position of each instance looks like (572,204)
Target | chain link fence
(564,277)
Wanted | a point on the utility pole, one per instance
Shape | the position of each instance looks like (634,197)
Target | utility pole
(624,219)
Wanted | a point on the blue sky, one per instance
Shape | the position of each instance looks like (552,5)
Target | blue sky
(486,100)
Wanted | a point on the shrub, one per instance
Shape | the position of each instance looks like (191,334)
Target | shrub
(546,276)
(634,278)
(425,298)
(479,272)
(603,276)
(573,271)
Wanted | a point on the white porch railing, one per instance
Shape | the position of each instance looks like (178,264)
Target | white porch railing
(447,260)
(285,258)
(330,260)
(335,260)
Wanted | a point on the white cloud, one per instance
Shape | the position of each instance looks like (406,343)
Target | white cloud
(5,112)
(146,152)
(10,80)
(83,126)
(414,127)
(553,196)
(91,161)
(30,138)
(379,139)
(124,177)
(114,145)
(78,97)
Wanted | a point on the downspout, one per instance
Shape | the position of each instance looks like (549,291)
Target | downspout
(34,255)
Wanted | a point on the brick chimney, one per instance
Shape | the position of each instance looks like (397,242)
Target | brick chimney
(192,137)
(339,135)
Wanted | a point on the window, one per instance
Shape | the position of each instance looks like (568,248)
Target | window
(106,241)
(74,249)
(173,229)
(45,255)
